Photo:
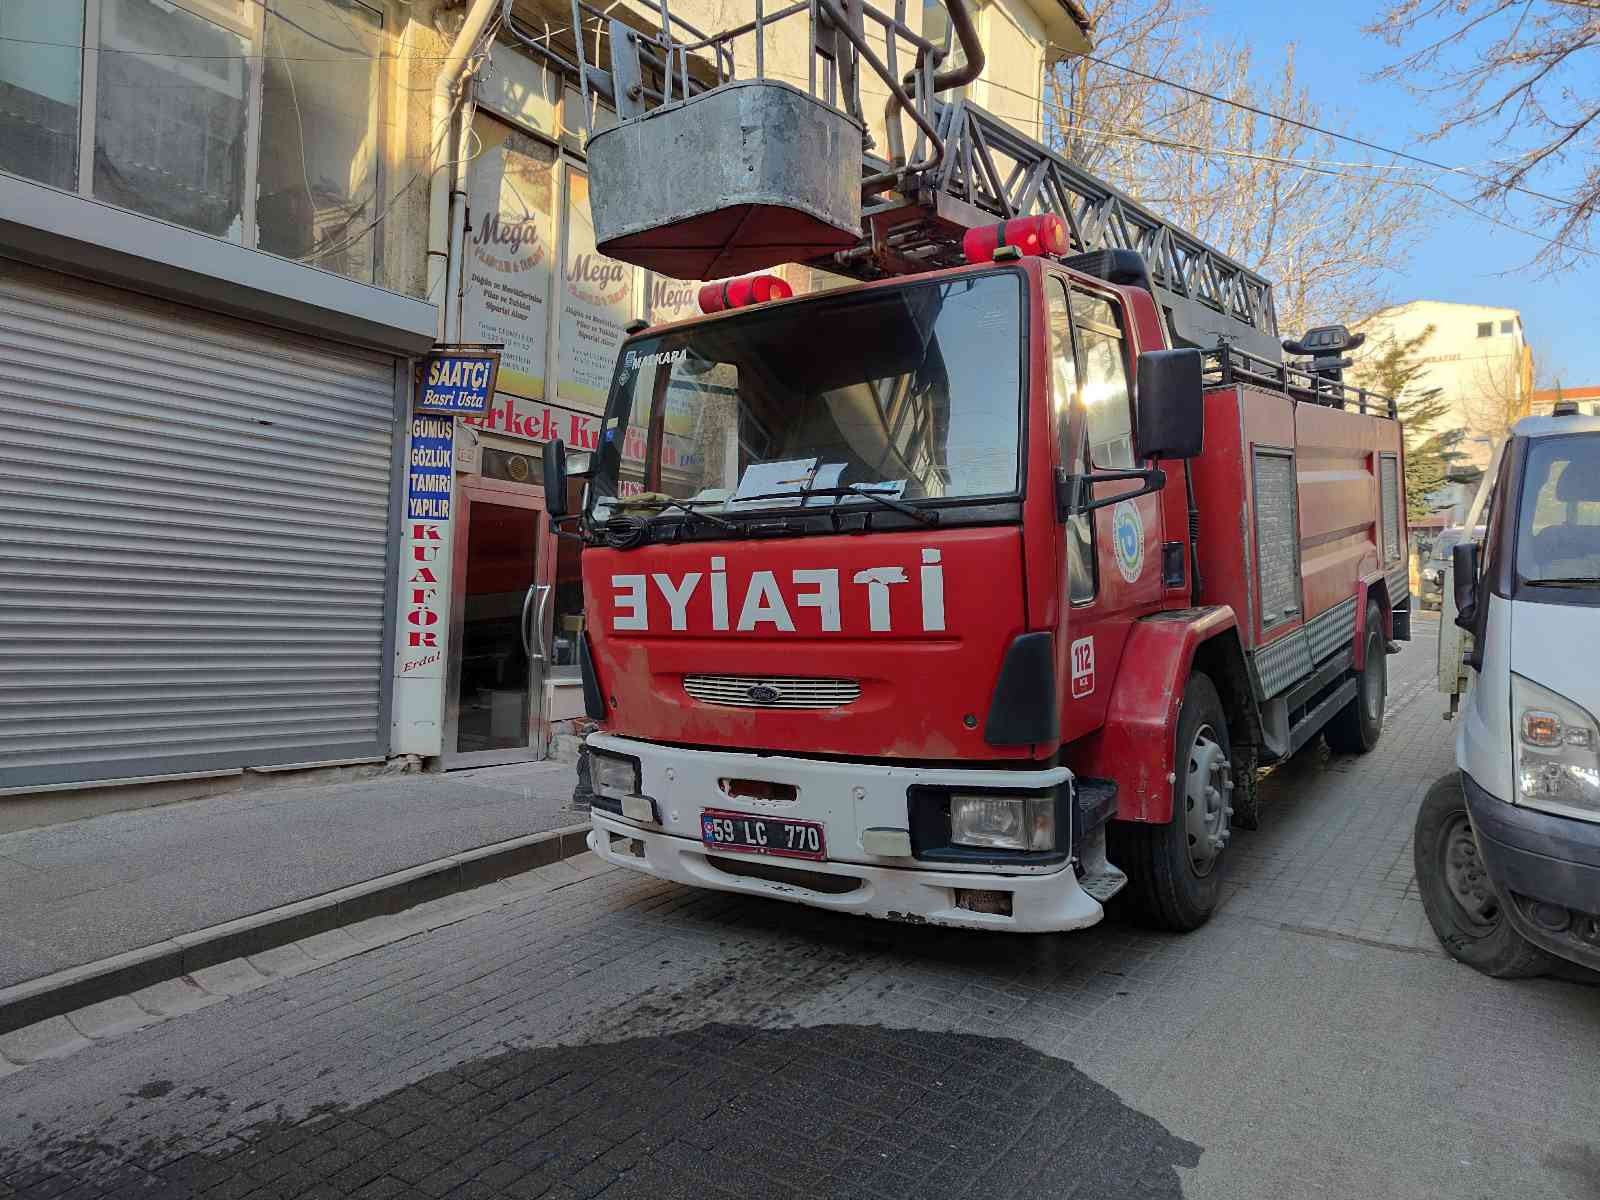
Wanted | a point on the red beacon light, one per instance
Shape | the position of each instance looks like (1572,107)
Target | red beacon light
(1043,234)
(746,290)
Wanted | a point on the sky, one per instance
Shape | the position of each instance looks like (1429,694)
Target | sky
(1460,258)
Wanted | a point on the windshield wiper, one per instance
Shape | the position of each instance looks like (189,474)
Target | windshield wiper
(924,515)
(1565,581)
(661,506)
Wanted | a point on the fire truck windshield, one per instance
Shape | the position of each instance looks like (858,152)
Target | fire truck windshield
(909,393)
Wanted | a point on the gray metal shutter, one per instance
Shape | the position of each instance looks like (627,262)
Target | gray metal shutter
(193,569)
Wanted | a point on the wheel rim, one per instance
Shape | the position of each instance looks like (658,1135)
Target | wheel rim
(1208,799)
(1374,680)
(1464,876)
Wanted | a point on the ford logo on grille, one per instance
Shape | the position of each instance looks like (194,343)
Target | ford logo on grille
(763,693)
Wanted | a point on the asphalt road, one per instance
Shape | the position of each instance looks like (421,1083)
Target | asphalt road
(623,1038)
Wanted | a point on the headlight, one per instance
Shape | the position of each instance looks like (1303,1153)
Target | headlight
(996,821)
(613,774)
(1558,752)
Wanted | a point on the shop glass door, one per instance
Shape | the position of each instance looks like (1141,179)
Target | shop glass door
(500,627)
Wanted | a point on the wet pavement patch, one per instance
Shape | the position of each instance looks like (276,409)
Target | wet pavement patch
(720,1110)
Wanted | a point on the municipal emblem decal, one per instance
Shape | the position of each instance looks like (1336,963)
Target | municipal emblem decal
(1127,536)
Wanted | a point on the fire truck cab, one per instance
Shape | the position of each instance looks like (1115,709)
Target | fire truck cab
(965,598)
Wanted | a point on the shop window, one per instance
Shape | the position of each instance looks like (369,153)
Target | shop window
(317,195)
(40,85)
(171,102)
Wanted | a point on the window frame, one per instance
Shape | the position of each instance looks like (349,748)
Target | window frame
(1485,329)
(1119,334)
(1077,414)
(246,19)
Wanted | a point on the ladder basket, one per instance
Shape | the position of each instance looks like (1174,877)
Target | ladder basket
(741,177)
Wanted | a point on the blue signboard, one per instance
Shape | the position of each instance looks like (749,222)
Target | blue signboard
(428,472)
(458,381)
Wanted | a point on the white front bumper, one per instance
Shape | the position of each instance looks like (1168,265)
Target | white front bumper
(846,798)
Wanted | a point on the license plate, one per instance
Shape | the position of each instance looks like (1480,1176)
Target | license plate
(723,830)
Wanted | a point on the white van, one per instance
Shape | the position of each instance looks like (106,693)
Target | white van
(1508,847)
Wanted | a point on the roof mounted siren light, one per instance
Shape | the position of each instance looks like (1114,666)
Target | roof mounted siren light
(1326,345)
(746,290)
(1016,238)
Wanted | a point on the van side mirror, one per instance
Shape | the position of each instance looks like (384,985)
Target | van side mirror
(555,477)
(1464,577)
(1172,414)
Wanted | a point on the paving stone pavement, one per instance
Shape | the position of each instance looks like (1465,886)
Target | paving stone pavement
(624,1038)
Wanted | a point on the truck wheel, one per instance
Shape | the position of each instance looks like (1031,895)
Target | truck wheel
(1462,905)
(1175,870)
(1357,726)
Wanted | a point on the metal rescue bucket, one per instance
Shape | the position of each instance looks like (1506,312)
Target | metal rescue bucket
(743,176)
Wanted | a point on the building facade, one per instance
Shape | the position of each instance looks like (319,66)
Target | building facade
(219,273)
(1477,354)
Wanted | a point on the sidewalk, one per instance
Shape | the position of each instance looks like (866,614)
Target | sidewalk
(84,891)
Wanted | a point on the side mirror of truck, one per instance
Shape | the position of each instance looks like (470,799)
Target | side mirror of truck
(555,477)
(1464,570)
(1172,415)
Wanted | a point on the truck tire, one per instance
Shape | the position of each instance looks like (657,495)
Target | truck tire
(1175,870)
(1462,905)
(1357,726)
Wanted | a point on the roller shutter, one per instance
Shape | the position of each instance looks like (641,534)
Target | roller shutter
(193,549)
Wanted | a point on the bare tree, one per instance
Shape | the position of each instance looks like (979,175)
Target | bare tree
(1499,396)
(1529,72)
(1268,192)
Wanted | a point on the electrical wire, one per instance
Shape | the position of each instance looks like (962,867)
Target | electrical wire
(1314,128)
(1325,167)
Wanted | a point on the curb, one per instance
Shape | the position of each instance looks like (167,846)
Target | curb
(61,992)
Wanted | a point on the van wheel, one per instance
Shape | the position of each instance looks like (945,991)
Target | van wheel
(1175,870)
(1462,905)
(1357,726)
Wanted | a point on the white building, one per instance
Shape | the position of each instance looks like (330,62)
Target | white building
(1479,356)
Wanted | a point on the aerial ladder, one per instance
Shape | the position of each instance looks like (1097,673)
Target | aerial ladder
(718,163)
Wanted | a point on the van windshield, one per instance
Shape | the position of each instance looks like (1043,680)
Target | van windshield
(913,394)
(1558,539)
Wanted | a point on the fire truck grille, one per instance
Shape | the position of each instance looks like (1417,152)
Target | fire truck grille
(771,691)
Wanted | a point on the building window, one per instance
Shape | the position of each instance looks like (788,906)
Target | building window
(318,189)
(1485,328)
(1506,326)
(258,123)
(40,85)
(171,101)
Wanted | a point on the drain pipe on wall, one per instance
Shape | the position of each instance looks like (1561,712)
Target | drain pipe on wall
(446,200)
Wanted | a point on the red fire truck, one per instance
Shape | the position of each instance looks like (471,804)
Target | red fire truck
(976,592)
